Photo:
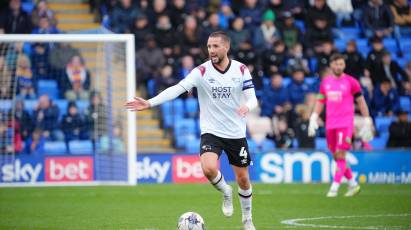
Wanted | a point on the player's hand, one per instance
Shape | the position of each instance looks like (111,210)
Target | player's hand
(366,132)
(313,125)
(243,110)
(137,104)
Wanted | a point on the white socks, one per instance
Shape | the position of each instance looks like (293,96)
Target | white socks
(334,186)
(245,201)
(219,183)
(352,182)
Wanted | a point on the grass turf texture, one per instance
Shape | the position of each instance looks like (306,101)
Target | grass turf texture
(153,207)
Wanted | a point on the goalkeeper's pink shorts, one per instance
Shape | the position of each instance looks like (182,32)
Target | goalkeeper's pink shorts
(339,139)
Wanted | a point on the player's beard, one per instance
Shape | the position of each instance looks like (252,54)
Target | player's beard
(216,59)
(338,72)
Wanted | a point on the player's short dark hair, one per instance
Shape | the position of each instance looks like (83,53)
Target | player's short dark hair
(221,34)
(337,56)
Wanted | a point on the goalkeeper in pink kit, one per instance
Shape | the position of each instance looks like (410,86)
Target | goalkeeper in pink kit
(338,92)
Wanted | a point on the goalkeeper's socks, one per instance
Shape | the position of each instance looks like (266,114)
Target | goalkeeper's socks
(351,180)
(339,173)
(334,187)
(245,201)
(219,183)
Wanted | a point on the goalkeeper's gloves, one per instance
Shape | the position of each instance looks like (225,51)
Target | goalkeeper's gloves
(313,125)
(366,132)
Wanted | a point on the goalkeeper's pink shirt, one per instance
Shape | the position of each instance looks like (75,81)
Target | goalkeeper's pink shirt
(338,94)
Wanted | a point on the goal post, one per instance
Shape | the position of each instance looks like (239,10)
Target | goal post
(112,59)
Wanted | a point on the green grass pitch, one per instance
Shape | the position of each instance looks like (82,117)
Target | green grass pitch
(155,207)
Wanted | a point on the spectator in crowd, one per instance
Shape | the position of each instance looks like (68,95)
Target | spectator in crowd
(123,16)
(73,125)
(275,101)
(400,132)
(23,118)
(240,37)
(225,14)
(283,135)
(279,7)
(323,57)
(408,70)
(273,60)
(159,8)
(149,60)
(165,79)
(301,127)
(10,137)
(211,25)
(319,22)
(266,34)
(177,12)
(24,78)
(385,101)
(43,11)
(140,29)
(77,80)
(34,144)
(374,59)
(45,117)
(45,27)
(187,64)
(113,144)
(391,70)
(342,9)
(164,34)
(297,89)
(296,60)
(377,19)
(40,60)
(14,20)
(190,38)
(354,61)
(60,55)
(251,13)
(290,33)
(401,11)
(96,116)
(6,79)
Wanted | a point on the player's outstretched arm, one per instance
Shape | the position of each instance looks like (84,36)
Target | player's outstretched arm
(139,104)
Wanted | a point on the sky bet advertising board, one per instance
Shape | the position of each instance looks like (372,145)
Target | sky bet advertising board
(280,167)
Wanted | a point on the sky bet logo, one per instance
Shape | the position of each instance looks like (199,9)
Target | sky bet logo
(221,92)
(18,172)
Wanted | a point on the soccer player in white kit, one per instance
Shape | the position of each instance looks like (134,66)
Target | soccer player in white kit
(226,94)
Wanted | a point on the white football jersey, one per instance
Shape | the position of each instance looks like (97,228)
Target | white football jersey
(220,94)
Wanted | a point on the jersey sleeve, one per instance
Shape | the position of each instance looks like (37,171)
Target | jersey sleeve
(247,79)
(322,94)
(355,87)
(191,80)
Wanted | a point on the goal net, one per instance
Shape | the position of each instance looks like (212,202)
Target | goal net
(62,116)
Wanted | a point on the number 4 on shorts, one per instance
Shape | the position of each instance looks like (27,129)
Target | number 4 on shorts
(243,152)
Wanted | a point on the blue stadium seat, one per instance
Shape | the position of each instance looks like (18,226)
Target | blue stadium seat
(81,147)
(313,64)
(5,105)
(62,105)
(30,105)
(82,105)
(184,130)
(379,142)
(167,114)
(405,103)
(382,124)
(267,145)
(340,44)
(27,6)
(191,107)
(151,87)
(252,146)
(286,81)
(320,143)
(349,33)
(300,24)
(193,146)
(311,80)
(55,148)
(48,87)
(178,108)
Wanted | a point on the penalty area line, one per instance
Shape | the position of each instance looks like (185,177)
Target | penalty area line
(297,222)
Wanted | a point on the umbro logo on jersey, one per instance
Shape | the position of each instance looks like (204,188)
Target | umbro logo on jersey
(211,80)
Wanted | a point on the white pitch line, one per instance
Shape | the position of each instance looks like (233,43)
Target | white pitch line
(295,222)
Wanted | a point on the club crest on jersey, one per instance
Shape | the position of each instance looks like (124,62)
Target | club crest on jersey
(236,80)
(211,80)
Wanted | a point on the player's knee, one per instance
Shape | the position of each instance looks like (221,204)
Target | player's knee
(243,181)
(209,171)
